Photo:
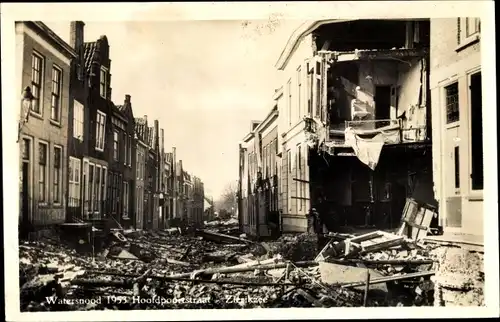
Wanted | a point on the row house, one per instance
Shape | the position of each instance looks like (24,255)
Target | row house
(147,178)
(121,160)
(457,108)
(95,179)
(168,187)
(141,142)
(43,68)
(258,203)
(198,202)
(100,140)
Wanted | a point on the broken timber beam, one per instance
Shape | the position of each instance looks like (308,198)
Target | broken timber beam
(228,270)
(381,262)
(390,279)
(92,282)
(221,238)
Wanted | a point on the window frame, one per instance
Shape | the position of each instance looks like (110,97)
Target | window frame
(58,192)
(116,145)
(289,100)
(299,91)
(446,104)
(43,201)
(463,39)
(78,120)
(103,82)
(74,189)
(126,195)
(56,86)
(37,85)
(100,129)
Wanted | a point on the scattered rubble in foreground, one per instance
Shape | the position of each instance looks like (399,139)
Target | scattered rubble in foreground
(219,268)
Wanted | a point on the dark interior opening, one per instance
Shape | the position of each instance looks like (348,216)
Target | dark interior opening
(476,113)
(383,102)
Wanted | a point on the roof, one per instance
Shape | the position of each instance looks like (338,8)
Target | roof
(89,56)
(303,30)
(89,52)
(63,46)
(141,129)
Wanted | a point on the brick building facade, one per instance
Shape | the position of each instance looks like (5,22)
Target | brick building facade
(43,70)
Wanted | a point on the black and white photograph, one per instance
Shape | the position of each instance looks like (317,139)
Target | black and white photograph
(292,159)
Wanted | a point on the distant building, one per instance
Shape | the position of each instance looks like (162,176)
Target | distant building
(141,143)
(122,160)
(455,62)
(43,69)
(198,202)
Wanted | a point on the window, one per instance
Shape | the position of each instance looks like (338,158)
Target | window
(55,108)
(57,174)
(103,185)
(103,83)
(90,188)
(452,106)
(476,113)
(289,186)
(309,93)
(100,128)
(289,101)
(78,120)
(138,163)
(115,145)
(125,146)
(299,90)
(129,149)
(36,82)
(97,188)
(125,200)
(298,172)
(26,149)
(42,169)
(468,30)
(456,156)
(74,181)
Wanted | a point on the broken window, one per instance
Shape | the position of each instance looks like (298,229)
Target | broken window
(452,106)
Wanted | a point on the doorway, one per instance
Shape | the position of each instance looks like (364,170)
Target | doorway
(25,211)
(383,102)
(476,113)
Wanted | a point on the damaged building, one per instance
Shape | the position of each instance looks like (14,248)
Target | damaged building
(352,126)
(356,112)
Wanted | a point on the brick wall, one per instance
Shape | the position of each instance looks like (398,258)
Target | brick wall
(41,129)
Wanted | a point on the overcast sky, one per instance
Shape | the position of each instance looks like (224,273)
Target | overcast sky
(203,80)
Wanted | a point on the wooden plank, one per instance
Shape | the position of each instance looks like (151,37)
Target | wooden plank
(385,244)
(390,279)
(365,237)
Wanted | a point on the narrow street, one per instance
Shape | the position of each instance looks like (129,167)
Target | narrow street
(219,268)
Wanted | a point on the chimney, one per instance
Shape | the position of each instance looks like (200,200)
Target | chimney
(146,119)
(127,99)
(76,37)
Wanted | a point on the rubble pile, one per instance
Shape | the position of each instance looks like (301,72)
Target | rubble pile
(295,247)
(165,269)
(396,269)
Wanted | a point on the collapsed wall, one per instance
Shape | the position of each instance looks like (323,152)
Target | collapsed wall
(459,278)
